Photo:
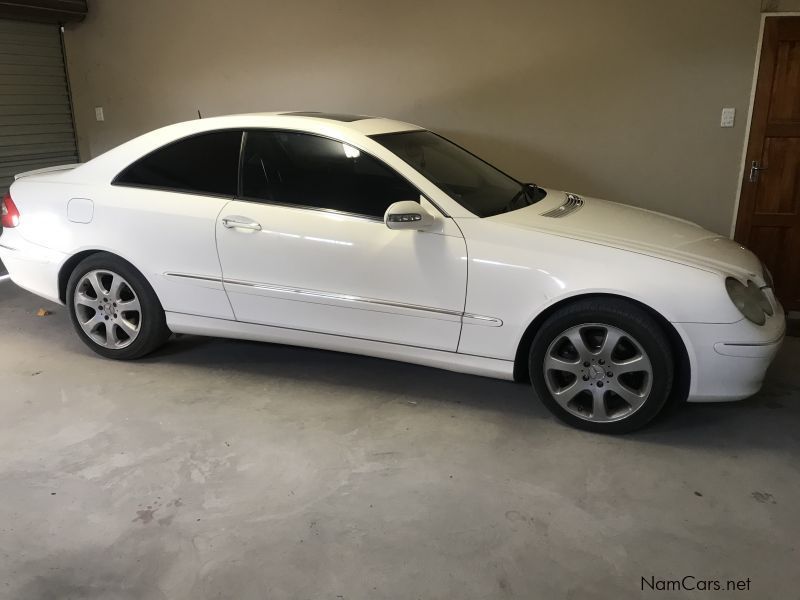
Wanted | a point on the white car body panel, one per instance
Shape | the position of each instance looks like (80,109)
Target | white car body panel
(55,169)
(459,296)
(451,361)
(546,269)
(346,275)
(639,230)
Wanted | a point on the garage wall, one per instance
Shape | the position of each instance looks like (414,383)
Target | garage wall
(619,99)
(780,5)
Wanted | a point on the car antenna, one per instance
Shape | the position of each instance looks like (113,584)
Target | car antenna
(199,116)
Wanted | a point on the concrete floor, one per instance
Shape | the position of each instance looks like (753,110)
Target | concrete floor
(223,469)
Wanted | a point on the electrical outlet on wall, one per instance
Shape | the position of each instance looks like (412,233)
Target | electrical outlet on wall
(728,117)
(98,113)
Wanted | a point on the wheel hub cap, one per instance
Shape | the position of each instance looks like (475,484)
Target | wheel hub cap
(596,372)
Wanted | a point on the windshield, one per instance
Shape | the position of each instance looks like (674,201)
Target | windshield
(474,184)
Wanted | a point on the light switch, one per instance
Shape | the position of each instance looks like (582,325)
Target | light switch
(98,113)
(728,117)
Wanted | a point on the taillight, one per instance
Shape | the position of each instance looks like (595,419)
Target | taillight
(9,212)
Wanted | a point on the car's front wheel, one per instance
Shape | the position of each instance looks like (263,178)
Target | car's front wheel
(602,364)
(113,308)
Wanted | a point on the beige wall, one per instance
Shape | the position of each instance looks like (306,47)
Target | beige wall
(615,98)
(780,5)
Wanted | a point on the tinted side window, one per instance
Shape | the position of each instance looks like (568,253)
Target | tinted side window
(308,170)
(206,163)
(475,184)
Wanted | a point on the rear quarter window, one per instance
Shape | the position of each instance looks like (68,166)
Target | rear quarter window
(206,163)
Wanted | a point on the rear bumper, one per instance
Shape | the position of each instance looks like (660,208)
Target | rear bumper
(729,361)
(30,266)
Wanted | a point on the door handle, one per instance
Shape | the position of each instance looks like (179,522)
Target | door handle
(754,169)
(237,222)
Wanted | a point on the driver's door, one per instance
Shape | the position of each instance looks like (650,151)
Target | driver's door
(305,247)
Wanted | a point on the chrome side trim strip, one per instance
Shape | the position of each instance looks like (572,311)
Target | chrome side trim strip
(474,319)
(572,203)
(482,320)
(341,297)
(771,342)
(188,276)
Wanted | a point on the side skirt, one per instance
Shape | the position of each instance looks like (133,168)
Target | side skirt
(451,361)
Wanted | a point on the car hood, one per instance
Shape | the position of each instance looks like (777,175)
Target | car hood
(636,230)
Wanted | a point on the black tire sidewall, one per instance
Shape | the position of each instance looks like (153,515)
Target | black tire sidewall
(154,329)
(630,318)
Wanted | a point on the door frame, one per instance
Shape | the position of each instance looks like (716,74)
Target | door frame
(753,84)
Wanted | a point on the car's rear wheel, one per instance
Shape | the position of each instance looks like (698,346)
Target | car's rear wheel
(603,365)
(113,308)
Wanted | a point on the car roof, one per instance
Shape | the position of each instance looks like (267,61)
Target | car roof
(351,128)
(363,124)
(343,117)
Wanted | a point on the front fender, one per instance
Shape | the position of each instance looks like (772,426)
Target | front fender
(515,275)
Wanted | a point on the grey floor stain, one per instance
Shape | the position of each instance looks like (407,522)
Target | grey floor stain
(764,497)
(145,516)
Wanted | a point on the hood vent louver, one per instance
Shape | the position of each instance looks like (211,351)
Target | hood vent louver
(572,204)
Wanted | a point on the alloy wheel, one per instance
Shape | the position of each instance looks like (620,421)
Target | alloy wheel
(107,309)
(598,372)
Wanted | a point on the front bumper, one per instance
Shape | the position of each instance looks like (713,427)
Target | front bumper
(30,266)
(729,361)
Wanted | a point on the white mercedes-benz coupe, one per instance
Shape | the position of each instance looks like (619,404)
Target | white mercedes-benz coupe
(376,237)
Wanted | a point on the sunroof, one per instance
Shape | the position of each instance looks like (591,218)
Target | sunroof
(333,116)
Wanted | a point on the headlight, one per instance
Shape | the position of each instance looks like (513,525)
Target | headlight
(751,300)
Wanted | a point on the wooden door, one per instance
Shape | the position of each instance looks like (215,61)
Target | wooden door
(769,208)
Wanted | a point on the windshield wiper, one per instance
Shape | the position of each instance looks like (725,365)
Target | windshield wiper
(529,193)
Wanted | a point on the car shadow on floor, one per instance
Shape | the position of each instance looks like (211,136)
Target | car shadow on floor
(765,420)
(361,373)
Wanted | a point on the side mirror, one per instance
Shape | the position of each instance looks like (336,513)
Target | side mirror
(407,215)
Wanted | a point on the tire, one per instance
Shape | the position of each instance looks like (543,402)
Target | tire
(113,308)
(602,365)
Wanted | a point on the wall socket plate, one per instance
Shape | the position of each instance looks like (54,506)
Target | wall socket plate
(98,113)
